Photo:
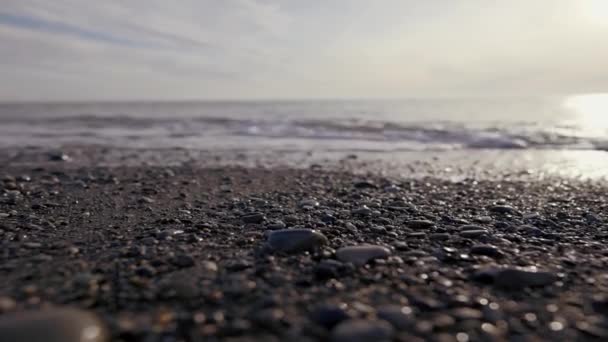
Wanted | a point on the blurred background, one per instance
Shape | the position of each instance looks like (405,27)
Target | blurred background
(352,76)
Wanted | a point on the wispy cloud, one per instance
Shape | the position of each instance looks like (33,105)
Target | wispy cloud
(70,49)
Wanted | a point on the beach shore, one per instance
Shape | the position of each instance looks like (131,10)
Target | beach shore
(191,251)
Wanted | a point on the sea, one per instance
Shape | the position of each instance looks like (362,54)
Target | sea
(574,126)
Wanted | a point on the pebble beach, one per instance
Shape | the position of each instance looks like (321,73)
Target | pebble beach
(194,252)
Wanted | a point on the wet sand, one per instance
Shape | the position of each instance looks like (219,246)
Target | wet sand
(194,252)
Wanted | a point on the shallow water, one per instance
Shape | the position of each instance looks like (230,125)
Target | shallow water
(557,123)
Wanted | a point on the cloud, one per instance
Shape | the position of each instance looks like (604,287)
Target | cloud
(69,49)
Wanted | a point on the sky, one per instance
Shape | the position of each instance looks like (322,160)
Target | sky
(285,49)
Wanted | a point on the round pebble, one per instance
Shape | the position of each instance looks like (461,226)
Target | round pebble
(53,325)
(295,240)
(360,255)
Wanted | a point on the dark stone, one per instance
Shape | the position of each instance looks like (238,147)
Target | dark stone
(253,218)
(295,240)
(362,330)
(53,325)
(420,224)
(487,250)
(362,254)
(329,315)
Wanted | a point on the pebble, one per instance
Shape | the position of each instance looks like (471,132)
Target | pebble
(439,236)
(472,234)
(503,209)
(295,240)
(309,203)
(253,218)
(400,317)
(53,325)
(487,250)
(468,227)
(183,260)
(7,304)
(355,330)
(420,224)
(58,156)
(515,278)
(276,225)
(362,254)
(363,211)
(364,184)
(330,315)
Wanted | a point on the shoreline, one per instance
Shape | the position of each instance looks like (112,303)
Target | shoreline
(455,165)
(182,252)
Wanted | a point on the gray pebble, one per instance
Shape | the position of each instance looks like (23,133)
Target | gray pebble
(53,325)
(420,224)
(253,218)
(472,234)
(400,317)
(363,211)
(295,240)
(513,278)
(362,254)
(355,330)
(487,250)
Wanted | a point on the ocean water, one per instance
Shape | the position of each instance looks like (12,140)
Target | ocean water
(570,123)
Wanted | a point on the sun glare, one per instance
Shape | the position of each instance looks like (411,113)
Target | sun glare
(594,12)
(591,109)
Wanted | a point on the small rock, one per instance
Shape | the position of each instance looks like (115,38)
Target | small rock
(7,304)
(400,317)
(439,236)
(53,325)
(58,156)
(361,330)
(253,218)
(364,185)
(146,200)
(330,315)
(327,269)
(295,240)
(487,250)
(309,203)
(503,209)
(515,278)
(183,260)
(360,255)
(276,225)
(363,211)
(472,234)
(420,224)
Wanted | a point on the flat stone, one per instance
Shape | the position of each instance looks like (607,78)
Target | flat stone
(295,240)
(472,234)
(400,317)
(362,254)
(362,330)
(420,224)
(513,278)
(183,260)
(487,250)
(363,211)
(503,209)
(309,203)
(468,227)
(53,325)
(253,218)
(330,315)
(439,236)
(364,184)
